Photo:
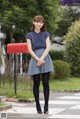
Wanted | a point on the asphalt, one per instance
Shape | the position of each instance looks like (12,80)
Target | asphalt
(62,105)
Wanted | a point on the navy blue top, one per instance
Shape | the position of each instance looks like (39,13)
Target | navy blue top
(38,40)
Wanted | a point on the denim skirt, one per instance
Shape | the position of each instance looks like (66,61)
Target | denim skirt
(44,68)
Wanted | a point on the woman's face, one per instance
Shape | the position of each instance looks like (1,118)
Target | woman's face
(38,25)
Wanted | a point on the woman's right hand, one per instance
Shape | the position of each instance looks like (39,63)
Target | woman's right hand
(40,62)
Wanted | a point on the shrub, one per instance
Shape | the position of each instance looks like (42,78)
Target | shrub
(73,48)
(61,69)
(27,57)
(57,55)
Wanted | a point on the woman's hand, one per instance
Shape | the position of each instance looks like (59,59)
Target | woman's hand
(40,62)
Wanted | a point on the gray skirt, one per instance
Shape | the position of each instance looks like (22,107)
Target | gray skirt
(44,68)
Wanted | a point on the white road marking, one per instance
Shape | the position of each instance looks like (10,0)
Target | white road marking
(69,97)
(78,94)
(65,116)
(75,107)
(61,102)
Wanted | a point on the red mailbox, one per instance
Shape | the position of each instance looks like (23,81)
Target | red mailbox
(17,48)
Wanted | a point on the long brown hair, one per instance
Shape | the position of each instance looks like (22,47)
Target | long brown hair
(39,18)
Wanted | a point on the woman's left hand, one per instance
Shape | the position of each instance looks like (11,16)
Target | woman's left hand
(40,62)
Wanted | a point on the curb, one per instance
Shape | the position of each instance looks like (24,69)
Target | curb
(25,100)
(2,108)
(65,91)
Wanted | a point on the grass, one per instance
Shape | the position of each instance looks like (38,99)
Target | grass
(68,84)
(20,94)
(2,104)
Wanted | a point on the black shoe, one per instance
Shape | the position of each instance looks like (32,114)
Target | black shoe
(39,111)
(45,112)
(45,109)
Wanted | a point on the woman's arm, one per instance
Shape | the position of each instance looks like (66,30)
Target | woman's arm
(48,44)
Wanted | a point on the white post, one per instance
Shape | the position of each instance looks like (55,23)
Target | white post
(21,67)
(2,36)
(3,66)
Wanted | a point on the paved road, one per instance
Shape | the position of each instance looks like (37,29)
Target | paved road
(61,106)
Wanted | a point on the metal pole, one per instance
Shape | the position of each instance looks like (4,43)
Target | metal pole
(21,67)
(15,81)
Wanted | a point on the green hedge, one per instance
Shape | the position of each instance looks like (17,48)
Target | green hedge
(61,69)
(57,55)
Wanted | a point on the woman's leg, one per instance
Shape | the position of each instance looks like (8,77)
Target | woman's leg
(36,84)
(45,81)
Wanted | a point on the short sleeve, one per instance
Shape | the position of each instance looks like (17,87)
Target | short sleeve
(47,34)
(28,36)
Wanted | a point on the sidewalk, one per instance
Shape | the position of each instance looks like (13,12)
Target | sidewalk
(60,104)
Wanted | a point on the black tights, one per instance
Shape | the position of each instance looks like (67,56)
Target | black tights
(36,84)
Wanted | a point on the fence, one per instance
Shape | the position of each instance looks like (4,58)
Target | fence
(24,82)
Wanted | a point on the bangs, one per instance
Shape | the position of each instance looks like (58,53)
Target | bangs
(39,19)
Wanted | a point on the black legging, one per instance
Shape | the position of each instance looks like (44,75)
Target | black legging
(45,82)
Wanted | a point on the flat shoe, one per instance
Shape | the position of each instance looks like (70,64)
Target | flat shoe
(39,112)
(45,112)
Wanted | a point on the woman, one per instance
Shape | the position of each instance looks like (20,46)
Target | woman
(40,64)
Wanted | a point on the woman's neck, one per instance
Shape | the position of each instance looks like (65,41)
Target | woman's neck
(37,30)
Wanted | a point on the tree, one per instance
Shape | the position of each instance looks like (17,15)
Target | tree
(73,48)
(21,13)
(50,10)
(11,15)
(69,15)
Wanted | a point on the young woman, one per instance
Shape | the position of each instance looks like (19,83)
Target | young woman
(40,64)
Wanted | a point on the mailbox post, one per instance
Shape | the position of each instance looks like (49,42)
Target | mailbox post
(15,48)
(15,81)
